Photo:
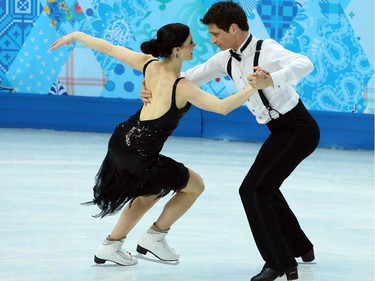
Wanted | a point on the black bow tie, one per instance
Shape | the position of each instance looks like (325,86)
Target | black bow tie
(238,56)
(235,55)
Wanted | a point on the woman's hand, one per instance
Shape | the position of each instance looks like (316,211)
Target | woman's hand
(65,40)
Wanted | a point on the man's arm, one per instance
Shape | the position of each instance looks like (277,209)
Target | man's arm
(214,67)
(285,67)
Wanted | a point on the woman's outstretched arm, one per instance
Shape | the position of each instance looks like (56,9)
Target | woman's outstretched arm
(207,101)
(133,59)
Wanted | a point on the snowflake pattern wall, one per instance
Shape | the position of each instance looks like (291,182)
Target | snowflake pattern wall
(327,31)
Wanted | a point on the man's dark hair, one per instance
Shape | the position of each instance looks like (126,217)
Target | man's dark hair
(223,14)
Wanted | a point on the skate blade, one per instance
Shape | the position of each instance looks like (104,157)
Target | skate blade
(155,260)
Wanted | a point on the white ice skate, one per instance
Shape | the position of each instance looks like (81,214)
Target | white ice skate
(156,244)
(113,252)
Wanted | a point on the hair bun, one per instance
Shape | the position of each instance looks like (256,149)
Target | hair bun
(168,37)
(150,47)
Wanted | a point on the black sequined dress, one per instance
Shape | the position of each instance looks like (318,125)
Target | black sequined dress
(134,166)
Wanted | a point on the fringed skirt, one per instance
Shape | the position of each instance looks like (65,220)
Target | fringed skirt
(117,183)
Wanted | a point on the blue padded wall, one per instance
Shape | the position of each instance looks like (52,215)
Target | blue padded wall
(338,130)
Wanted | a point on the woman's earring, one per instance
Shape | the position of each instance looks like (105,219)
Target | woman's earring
(177,55)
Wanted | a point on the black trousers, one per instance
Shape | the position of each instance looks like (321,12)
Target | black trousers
(275,228)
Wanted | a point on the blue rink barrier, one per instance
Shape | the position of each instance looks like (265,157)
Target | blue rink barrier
(95,114)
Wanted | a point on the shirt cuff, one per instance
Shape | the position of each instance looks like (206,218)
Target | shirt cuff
(279,83)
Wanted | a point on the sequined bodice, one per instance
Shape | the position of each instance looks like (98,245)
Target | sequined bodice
(146,138)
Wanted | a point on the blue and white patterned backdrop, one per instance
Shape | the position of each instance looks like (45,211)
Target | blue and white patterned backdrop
(337,35)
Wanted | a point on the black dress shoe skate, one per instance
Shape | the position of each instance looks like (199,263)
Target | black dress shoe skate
(269,274)
(309,256)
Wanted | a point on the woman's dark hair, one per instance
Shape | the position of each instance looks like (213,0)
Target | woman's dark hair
(169,36)
(223,14)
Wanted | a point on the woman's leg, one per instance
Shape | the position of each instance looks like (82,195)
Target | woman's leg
(111,248)
(154,240)
(180,202)
(172,211)
(131,215)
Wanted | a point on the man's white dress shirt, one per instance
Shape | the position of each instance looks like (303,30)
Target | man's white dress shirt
(286,69)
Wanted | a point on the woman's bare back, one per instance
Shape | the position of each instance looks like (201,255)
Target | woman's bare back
(160,81)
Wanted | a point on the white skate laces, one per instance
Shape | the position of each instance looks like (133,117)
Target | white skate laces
(156,244)
(112,251)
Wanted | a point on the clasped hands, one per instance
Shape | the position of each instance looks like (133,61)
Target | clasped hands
(260,79)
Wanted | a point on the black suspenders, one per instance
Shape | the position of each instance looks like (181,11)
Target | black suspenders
(273,113)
